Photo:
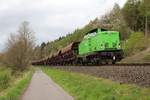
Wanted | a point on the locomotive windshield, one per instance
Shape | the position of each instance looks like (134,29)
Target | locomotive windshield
(89,35)
(93,32)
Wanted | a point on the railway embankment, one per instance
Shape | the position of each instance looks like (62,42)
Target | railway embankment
(128,74)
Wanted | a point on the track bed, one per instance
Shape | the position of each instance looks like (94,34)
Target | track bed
(139,75)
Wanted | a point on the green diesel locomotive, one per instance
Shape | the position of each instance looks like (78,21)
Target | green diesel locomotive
(100,46)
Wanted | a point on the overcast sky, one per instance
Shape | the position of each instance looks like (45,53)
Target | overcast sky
(50,19)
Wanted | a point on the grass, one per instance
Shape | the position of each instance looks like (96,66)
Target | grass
(5,78)
(15,90)
(84,87)
(147,58)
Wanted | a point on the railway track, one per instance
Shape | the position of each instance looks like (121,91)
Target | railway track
(118,64)
(131,64)
(138,74)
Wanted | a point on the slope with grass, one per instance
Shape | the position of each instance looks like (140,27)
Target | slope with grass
(136,49)
(12,86)
(84,87)
(140,57)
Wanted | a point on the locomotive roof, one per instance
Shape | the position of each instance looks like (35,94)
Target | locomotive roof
(95,30)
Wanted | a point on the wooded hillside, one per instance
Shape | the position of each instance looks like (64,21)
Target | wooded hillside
(133,17)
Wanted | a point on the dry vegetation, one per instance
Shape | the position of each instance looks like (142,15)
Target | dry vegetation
(14,63)
(19,50)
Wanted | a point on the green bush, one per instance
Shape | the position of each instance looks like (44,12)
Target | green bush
(15,91)
(136,42)
(5,78)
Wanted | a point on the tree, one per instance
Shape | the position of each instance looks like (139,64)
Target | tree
(145,11)
(19,49)
(118,22)
(43,45)
(133,16)
(115,21)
